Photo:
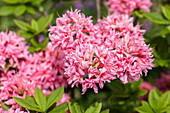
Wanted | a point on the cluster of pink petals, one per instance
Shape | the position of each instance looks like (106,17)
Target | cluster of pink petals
(27,71)
(12,48)
(127,6)
(111,49)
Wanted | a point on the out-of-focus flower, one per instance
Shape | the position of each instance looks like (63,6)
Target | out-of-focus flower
(163,83)
(40,38)
(90,4)
(147,86)
(127,6)
(78,5)
(147,25)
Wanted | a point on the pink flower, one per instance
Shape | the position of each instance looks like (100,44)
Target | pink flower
(127,6)
(163,83)
(88,65)
(131,54)
(113,48)
(12,49)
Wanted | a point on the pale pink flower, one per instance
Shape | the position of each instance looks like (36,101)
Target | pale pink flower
(127,6)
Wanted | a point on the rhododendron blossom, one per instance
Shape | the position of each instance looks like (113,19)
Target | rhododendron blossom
(127,43)
(127,6)
(113,48)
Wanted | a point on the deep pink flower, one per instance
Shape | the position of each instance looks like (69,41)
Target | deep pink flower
(163,83)
(127,6)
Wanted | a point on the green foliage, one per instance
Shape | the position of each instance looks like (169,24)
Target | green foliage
(41,103)
(124,97)
(33,30)
(74,107)
(158,36)
(158,103)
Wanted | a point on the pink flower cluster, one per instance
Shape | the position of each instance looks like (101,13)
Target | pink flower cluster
(111,49)
(127,6)
(21,72)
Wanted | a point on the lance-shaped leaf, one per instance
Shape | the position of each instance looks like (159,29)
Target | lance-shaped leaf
(60,108)
(55,97)
(4,106)
(26,104)
(40,99)
(74,107)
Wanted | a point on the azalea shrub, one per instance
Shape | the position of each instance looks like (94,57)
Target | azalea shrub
(84,56)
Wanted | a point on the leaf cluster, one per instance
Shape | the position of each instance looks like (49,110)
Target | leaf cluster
(33,30)
(125,97)
(157,103)
(42,103)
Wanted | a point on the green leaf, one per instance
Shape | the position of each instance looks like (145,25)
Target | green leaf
(4,106)
(74,107)
(25,104)
(25,1)
(30,10)
(95,108)
(165,31)
(156,18)
(19,10)
(44,43)
(55,96)
(145,108)
(153,99)
(60,108)
(11,1)
(141,93)
(43,22)
(31,100)
(105,111)
(163,101)
(36,2)
(34,42)
(166,11)
(40,99)
(21,24)
(6,10)
(32,49)
(34,25)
